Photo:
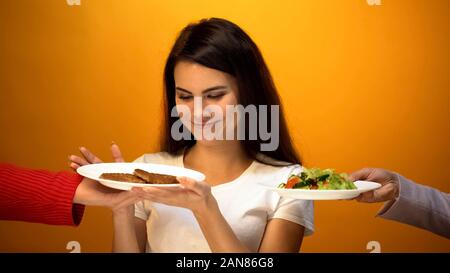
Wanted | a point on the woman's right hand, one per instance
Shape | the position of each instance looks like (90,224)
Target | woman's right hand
(90,192)
(90,158)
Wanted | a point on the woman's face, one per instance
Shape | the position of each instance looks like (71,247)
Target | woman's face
(205,92)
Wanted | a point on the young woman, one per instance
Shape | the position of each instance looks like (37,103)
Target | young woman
(228,212)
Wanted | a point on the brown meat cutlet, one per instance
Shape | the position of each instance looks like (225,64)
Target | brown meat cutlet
(155,178)
(122,177)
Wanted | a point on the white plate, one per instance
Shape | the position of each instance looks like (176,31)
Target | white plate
(93,171)
(362,186)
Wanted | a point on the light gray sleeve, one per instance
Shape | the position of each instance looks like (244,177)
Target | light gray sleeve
(420,206)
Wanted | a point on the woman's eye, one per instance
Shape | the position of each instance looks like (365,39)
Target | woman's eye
(215,96)
(185,97)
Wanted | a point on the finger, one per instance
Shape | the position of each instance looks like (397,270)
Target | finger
(157,199)
(366,197)
(148,193)
(74,166)
(163,195)
(140,191)
(137,190)
(116,153)
(385,193)
(78,160)
(360,198)
(123,197)
(90,157)
(159,192)
(171,190)
(361,174)
(123,194)
(127,201)
(191,184)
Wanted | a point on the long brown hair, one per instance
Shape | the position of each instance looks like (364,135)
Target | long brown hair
(222,45)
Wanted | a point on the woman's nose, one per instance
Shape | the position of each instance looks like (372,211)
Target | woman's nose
(198,109)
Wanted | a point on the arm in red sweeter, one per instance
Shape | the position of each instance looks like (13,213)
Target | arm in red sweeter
(39,196)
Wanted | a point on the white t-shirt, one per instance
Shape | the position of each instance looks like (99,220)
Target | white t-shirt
(245,205)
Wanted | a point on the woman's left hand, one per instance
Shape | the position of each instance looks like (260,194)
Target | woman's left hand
(193,195)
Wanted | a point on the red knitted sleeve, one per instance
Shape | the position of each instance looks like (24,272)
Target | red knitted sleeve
(39,196)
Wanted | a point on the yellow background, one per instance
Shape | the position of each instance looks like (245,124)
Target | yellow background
(362,86)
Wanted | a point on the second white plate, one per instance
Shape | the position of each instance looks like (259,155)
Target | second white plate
(362,186)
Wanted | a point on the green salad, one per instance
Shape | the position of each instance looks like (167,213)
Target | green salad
(317,179)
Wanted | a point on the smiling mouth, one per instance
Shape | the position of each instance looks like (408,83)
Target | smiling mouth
(207,123)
